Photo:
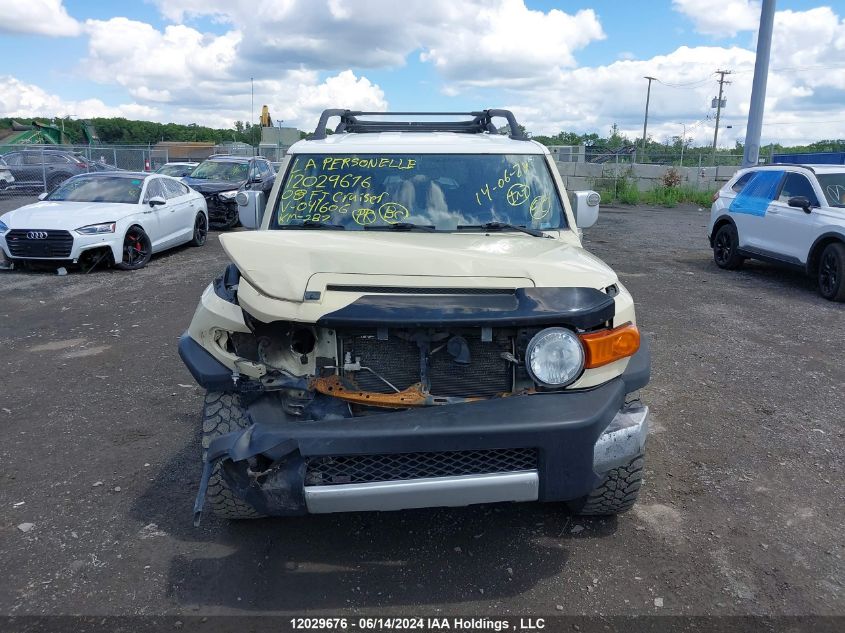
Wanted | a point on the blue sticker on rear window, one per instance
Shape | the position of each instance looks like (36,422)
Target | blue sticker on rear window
(756,196)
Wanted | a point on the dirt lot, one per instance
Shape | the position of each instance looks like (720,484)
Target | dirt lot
(742,511)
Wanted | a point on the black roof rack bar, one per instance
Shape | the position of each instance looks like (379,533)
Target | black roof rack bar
(807,167)
(479,123)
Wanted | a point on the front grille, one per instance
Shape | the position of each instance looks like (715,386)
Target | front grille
(57,244)
(398,361)
(358,469)
(218,208)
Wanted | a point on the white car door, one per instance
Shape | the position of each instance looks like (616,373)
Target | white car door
(189,206)
(791,231)
(750,205)
(153,218)
(171,214)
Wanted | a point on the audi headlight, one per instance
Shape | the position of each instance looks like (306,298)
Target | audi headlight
(96,229)
(555,357)
(3,227)
(228,195)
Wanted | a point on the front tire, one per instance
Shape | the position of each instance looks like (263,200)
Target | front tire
(137,249)
(832,272)
(200,230)
(222,413)
(616,493)
(726,247)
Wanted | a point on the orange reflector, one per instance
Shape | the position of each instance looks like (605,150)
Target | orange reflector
(606,346)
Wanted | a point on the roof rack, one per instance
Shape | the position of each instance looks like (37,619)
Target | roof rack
(808,167)
(481,122)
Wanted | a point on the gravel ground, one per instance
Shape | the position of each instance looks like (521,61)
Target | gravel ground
(741,513)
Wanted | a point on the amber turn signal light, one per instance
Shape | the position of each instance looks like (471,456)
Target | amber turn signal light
(606,346)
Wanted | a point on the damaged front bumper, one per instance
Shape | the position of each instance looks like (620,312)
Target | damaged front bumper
(564,441)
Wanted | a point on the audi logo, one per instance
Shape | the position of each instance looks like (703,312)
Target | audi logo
(36,235)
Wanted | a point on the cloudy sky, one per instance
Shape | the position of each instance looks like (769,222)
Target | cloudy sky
(571,65)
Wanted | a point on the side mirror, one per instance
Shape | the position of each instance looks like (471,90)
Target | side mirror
(585,205)
(157,201)
(42,195)
(801,202)
(250,208)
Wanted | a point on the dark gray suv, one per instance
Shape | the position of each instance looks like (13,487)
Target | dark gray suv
(46,169)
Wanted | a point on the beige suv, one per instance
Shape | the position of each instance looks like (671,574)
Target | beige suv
(415,323)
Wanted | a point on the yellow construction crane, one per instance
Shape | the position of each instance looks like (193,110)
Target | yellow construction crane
(266,121)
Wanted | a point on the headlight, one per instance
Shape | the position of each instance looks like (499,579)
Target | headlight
(555,357)
(96,229)
(228,195)
(3,227)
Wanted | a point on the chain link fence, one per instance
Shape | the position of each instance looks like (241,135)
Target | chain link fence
(28,170)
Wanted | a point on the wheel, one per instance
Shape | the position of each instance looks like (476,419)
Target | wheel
(725,246)
(221,414)
(137,249)
(200,230)
(832,272)
(617,491)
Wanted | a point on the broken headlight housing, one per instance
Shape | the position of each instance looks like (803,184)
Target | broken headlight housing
(554,357)
(228,195)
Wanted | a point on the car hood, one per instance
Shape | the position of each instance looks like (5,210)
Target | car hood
(65,215)
(280,263)
(211,186)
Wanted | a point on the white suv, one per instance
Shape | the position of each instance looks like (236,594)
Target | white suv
(787,214)
(416,323)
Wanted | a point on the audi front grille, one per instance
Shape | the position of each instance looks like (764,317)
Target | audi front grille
(39,243)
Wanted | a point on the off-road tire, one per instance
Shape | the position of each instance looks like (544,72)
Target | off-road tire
(221,414)
(617,492)
(831,276)
(726,247)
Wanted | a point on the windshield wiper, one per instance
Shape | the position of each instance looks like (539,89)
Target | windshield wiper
(500,226)
(401,226)
(313,224)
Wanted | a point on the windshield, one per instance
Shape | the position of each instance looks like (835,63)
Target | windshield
(175,170)
(221,170)
(440,190)
(99,189)
(833,186)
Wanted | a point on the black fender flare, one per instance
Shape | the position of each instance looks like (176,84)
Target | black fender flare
(815,251)
(721,220)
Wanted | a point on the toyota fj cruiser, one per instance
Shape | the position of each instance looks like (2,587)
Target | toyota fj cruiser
(415,324)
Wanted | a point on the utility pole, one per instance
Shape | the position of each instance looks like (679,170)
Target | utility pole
(252,108)
(683,142)
(722,83)
(758,88)
(645,123)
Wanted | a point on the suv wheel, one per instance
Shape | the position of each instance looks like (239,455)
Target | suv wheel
(725,247)
(832,272)
(617,491)
(221,414)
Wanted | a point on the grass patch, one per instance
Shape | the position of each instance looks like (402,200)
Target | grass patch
(629,193)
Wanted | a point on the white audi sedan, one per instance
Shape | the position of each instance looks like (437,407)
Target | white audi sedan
(122,218)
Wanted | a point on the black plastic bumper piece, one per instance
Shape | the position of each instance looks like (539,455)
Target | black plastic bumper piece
(209,372)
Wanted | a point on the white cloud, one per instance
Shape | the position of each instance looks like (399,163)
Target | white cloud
(725,18)
(506,43)
(465,40)
(20,99)
(37,17)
